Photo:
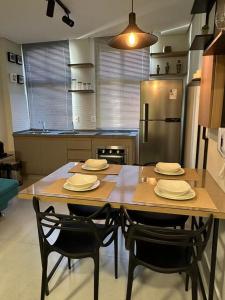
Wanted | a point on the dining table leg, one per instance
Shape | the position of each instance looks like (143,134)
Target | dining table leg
(213,258)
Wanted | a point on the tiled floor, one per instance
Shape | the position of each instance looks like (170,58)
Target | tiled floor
(20,267)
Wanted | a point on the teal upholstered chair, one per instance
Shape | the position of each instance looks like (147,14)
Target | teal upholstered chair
(8,190)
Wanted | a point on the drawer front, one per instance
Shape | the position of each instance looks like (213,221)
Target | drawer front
(79,144)
(77,155)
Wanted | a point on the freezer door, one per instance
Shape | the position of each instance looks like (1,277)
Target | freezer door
(161,99)
(159,141)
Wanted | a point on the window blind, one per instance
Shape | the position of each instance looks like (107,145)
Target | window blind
(118,76)
(47,82)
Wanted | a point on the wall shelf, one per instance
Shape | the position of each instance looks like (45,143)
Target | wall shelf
(81,91)
(167,75)
(83,65)
(202,6)
(195,82)
(169,54)
(201,41)
(217,47)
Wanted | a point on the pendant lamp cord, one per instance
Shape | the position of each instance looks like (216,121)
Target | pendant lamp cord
(132,5)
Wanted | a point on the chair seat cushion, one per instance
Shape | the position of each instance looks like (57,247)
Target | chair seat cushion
(75,242)
(157,219)
(6,185)
(163,256)
(8,190)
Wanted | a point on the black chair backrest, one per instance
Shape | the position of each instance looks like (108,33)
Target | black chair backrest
(48,219)
(193,240)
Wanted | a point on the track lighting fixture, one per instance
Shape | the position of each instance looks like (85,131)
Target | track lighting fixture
(68,21)
(50,8)
(50,11)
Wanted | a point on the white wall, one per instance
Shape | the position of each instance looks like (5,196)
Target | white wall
(13,104)
(84,105)
(191,130)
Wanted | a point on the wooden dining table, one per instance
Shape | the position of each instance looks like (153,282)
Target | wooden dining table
(133,188)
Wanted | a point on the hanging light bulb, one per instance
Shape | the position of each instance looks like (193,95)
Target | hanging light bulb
(133,37)
(132,40)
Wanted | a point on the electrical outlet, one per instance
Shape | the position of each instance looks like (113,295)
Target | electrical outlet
(93,119)
(76,119)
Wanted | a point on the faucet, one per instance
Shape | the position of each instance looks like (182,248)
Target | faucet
(43,126)
(74,130)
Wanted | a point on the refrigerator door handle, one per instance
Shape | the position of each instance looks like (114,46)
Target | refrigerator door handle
(173,120)
(145,135)
(145,111)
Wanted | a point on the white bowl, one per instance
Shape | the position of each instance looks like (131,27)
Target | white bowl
(168,167)
(190,195)
(96,163)
(173,187)
(82,180)
(69,187)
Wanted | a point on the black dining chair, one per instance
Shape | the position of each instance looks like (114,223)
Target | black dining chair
(78,237)
(90,211)
(164,250)
(158,219)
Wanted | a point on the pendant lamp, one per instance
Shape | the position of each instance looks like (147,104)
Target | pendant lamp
(133,37)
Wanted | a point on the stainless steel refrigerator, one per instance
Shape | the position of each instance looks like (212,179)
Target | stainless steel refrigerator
(160,121)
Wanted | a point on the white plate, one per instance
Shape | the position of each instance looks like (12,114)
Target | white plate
(188,196)
(94,169)
(180,172)
(69,187)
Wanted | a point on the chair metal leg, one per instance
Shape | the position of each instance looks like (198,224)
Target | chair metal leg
(116,254)
(213,258)
(194,279)
(44,283)
(187,282)
(69,263)
(192,223)
(96,276)
(130,279)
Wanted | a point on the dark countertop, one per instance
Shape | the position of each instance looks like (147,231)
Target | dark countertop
(78,133)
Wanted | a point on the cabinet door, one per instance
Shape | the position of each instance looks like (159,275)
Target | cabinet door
(28,150)
(212,91)
(53,154)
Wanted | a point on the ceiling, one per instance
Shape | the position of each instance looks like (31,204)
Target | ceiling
(25,21)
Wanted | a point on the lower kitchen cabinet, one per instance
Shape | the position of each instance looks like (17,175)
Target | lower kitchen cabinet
(53,154)
(28,150)
(41,155)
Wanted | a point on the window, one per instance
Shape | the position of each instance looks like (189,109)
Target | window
(118,76)
(47,82)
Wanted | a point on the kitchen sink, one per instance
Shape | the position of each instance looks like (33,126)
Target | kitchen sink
(77,133)
(115,133)
(40,132)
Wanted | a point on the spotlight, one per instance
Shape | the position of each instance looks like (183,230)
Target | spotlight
(68,21)
(50,8)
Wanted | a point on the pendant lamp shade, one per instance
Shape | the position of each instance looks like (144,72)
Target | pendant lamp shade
(133,37)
